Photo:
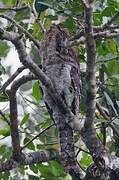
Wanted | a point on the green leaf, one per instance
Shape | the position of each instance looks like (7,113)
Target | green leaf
(36,91)
(5,176)
(5,132)
(110,102)
(56,169)
(41,6)
(31,177)
(2,149)
(68,177)
(97,18)
(52,170)
(112,48)
(86,159)
(3,97)
(2,69)
(45,171)
(21,15)
(9,2)
(30,146)
(108,11)
(34,168)
(4,49)
(112,68)
(69,23)
(24,119)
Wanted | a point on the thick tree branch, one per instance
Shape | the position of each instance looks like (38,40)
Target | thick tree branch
(30,158)
(91,55)
(89,134)
(13,115)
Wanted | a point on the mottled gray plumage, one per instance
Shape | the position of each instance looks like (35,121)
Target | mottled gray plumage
(61,66)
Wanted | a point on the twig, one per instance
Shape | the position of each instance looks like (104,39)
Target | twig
(105,34)
(36,136)
(14,8)
(5,119)
(10,80)
(80,149)
(38,21)
(99,35)
(21,28)
(109,123)
(106,25)
(107,60)
(100,28)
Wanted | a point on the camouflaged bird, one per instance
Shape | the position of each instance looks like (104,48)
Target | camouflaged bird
(61,66)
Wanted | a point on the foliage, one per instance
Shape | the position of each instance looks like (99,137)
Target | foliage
(35,117)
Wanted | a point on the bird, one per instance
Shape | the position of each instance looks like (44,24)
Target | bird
(61,65)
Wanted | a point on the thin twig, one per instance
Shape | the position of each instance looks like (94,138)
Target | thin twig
(36,136)
(14,8)
(105,34)
(38,21)
(10,80)
(80,149)
(109,123)
(22,29)
(100,28)
(99,35)
(5,119)
(111,20)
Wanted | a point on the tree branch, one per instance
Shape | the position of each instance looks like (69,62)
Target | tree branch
(30,158)
(85,3)
(89,134)
(14,8)
(105,34)
(22,29)
(10,80)
(98,35)
(13,115)
(109,122)
(106,25)
(91,55)
(5,119)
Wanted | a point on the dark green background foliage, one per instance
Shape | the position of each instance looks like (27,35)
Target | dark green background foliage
(107,72)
